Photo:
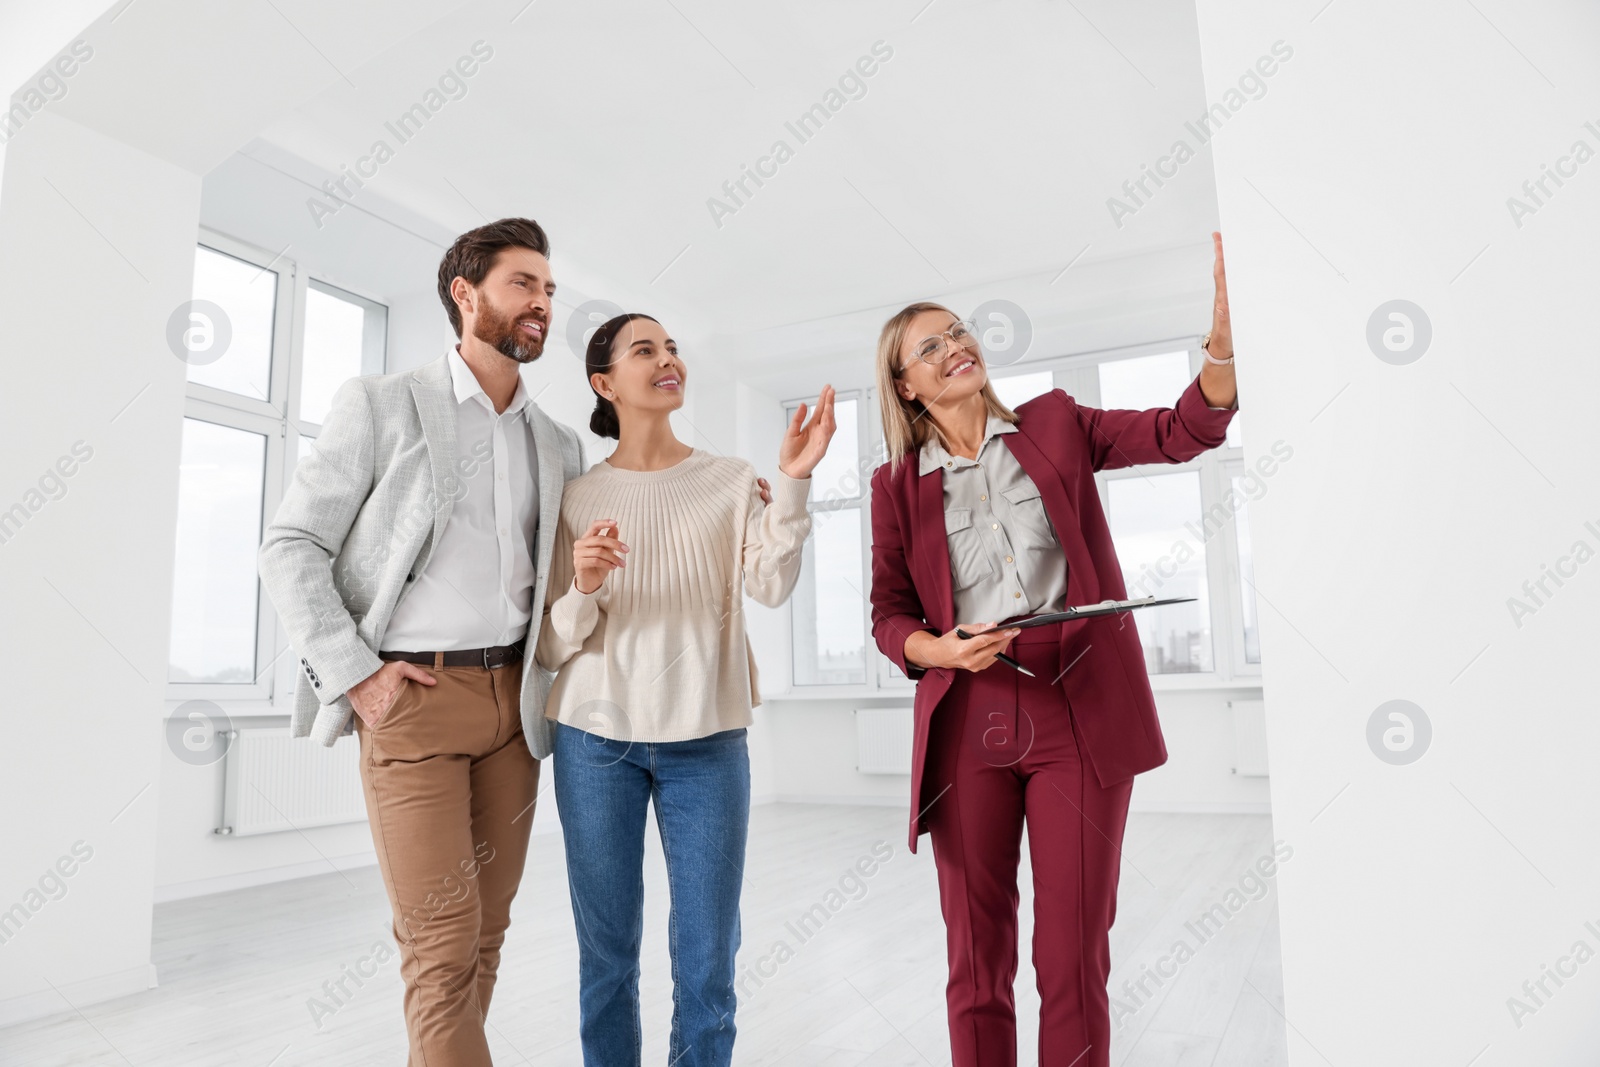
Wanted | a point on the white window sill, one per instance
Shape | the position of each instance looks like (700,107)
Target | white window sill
(1162,683)
(841,692)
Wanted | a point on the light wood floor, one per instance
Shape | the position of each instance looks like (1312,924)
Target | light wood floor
(867,988)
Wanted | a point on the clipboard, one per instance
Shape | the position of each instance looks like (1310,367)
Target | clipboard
(1089,611)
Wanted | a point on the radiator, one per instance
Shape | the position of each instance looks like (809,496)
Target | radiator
(883,740)
(1249,737)
(274,782)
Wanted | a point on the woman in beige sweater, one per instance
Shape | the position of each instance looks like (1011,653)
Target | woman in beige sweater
(645,626)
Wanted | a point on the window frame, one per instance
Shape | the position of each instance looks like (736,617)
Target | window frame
(1079,376)
(870,448)
(276,417)
(1226,468)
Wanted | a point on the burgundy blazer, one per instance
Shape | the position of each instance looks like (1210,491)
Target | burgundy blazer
(1059,444)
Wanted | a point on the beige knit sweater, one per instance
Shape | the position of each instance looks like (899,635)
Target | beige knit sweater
(659,652)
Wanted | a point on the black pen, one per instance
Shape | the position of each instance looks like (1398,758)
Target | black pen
(1001,656)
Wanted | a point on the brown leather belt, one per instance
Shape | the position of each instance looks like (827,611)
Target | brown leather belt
(490,658)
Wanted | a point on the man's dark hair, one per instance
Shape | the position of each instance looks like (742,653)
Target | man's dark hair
(474,252)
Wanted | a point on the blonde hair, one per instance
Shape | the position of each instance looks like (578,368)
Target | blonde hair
(907,426)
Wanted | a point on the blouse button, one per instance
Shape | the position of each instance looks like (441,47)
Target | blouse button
(1008,559)
(1017,595)
(984,496)
(994,526)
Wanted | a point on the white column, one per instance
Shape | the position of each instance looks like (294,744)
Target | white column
(1427,485)
(90,423)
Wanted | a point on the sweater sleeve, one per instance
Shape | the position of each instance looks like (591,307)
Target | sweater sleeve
(773,537)
(569,616)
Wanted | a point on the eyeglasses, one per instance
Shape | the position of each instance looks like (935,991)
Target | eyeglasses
(938,348)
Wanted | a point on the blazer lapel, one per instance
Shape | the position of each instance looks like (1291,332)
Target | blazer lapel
(552,479)
(934,551)
(1037,465)
(435,398)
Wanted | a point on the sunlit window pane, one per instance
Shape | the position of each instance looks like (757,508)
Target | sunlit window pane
(214,586)
(1144,381)
(1247,574)
(333,348)
(1154,521)
(1020,388)
(828,604)
(247,296)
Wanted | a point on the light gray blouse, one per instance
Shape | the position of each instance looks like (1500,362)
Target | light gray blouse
(1005,559)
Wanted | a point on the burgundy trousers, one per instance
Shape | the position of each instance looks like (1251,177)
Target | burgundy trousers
(1003,754)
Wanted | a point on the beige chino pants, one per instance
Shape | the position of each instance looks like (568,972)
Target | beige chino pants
(450,786)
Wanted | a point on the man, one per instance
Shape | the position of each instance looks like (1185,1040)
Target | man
(434,494)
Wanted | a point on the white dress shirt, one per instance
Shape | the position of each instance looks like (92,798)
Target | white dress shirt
(477,589)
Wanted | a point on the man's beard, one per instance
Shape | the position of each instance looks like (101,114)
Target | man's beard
(500,332)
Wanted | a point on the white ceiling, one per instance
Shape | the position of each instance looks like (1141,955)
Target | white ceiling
(982,153)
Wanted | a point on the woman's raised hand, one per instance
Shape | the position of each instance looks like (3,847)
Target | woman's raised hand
(806,442)
(596,554)
(1217,382)
(1221,323)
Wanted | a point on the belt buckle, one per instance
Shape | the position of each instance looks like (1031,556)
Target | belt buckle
(486,664)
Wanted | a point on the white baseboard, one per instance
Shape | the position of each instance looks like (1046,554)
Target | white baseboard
(79,994)
(202,887)
(865,800)
(1200,807)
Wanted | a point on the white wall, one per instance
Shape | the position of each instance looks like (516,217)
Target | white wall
(97,234)
(1422,497)
(88,577)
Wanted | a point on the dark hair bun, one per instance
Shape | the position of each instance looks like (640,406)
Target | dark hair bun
(603,423)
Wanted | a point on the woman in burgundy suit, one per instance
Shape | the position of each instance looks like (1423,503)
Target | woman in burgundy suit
(985,513)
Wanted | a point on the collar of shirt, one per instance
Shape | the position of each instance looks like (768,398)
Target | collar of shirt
(933,454)
(466,386)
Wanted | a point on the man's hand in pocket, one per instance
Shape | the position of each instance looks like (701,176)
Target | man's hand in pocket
(373,697)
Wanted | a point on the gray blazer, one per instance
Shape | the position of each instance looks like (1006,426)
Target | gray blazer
(358,524)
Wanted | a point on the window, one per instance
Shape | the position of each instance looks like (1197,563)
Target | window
(830,645)
(1152,517)
(214,595)
(267,348)
(1153,513)
(829,610)
(1247,572)
(232,352)
(1020,388)
(344,338)
(1179,529)
(1144,381)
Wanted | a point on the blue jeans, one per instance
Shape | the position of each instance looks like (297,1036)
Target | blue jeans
(701,791)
